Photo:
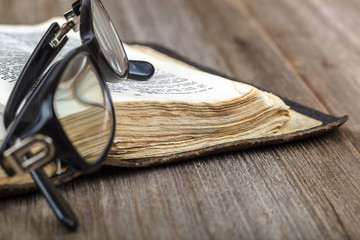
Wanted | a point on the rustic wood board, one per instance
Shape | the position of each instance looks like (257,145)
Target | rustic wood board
(307,51)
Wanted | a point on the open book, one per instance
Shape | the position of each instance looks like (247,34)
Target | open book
(181,112)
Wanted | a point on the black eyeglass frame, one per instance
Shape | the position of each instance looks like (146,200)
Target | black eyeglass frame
(46,123)
(46,129)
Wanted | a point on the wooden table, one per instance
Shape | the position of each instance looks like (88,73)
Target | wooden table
(305,50)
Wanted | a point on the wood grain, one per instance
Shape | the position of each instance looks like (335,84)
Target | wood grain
(303,50)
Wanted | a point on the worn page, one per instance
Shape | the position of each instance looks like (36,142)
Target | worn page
(174,81)
(171,81)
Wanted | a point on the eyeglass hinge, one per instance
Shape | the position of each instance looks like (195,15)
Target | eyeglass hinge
(64,29)
(36,150)
(71,23)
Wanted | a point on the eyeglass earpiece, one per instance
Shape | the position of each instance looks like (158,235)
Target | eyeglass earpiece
(140,70)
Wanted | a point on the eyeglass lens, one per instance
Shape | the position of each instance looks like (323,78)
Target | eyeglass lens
(108,38)
(83,108)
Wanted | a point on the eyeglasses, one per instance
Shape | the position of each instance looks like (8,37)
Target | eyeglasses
(68,113)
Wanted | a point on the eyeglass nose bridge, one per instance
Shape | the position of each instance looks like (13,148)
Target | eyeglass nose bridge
(23,150)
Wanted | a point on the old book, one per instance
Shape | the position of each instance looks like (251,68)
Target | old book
(180,113)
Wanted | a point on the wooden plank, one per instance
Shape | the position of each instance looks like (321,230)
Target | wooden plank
(320,40)
(304,190)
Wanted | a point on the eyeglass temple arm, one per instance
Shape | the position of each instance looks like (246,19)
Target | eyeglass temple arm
(39,60)
(60,207)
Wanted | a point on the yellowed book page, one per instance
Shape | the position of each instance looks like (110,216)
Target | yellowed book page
(174,82)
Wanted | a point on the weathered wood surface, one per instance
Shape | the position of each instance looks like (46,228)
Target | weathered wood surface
(305,50)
